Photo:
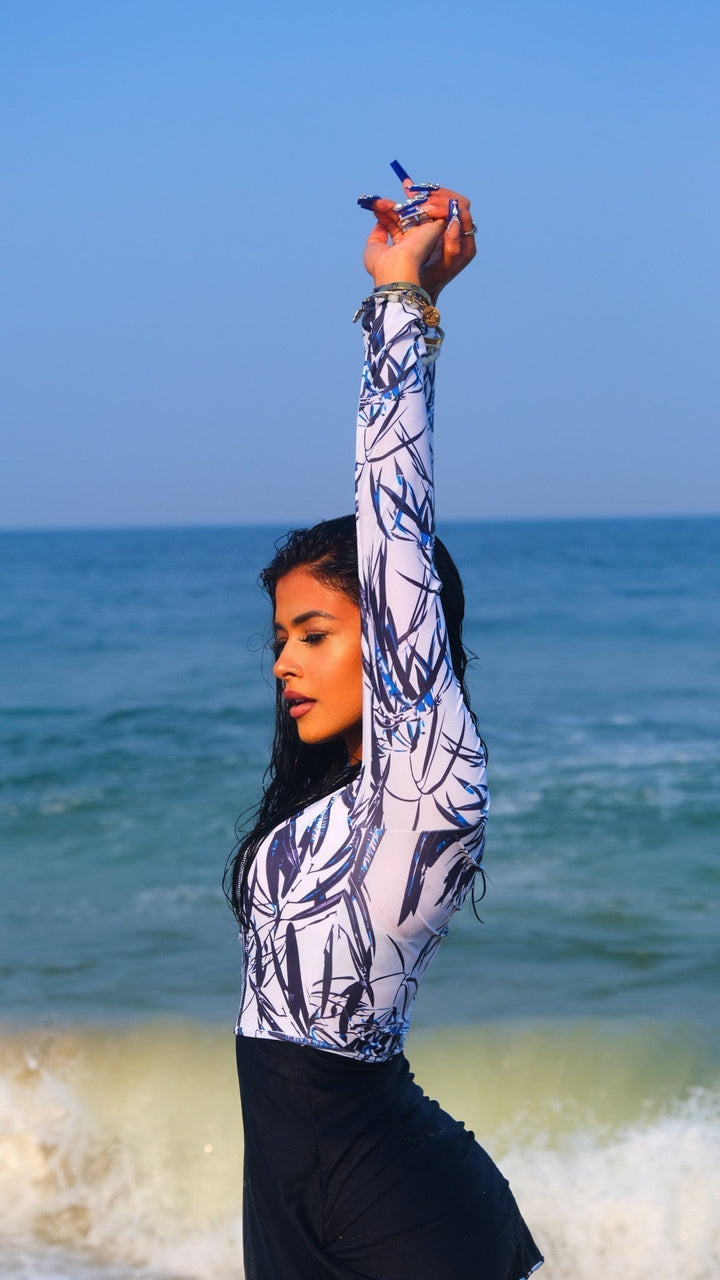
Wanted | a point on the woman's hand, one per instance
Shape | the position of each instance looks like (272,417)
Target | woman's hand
(430,254)
(393,255)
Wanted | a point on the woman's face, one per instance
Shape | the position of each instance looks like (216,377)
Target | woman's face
(317,642)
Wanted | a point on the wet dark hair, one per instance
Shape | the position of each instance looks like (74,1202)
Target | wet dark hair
(299,774)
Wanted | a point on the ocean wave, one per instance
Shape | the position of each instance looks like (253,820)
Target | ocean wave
(121,1150)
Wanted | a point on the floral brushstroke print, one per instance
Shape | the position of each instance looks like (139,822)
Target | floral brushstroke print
(350,899)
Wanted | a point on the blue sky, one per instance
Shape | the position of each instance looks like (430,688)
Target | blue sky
(182,253)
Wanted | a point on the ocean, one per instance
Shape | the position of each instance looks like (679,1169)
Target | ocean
(576,1029)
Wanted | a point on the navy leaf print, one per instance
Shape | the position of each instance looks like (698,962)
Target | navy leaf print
(350,900)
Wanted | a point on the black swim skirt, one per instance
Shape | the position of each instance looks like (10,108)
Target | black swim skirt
(351,1173)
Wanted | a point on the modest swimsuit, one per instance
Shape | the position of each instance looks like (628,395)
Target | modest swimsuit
(350,1171)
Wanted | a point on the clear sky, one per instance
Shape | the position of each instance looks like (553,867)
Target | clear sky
(181,253)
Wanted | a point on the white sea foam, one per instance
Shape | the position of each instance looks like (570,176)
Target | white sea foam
(643,1203)
(120,1152)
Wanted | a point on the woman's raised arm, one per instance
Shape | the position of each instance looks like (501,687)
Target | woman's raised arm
(423,763)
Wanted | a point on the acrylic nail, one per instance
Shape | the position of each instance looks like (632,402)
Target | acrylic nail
(453,211)
(424,186)
(401,173)
(409,206)
(367,202)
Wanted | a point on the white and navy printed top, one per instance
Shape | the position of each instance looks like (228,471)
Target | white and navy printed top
(349,900)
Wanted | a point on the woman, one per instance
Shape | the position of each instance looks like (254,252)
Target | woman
(367,840)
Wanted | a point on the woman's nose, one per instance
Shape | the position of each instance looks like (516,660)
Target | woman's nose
(286,663)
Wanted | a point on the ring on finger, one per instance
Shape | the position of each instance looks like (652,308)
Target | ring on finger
(472,231)
(410,213)
(413,220)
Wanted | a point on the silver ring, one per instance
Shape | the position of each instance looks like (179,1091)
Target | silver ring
(413,219)
(471,233)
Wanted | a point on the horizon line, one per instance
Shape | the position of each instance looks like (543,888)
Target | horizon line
(308,523)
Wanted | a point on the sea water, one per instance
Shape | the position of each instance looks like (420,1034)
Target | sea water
(576,1030)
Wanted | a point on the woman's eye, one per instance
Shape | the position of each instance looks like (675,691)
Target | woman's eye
(313,638)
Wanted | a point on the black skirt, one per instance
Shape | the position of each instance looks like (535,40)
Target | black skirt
(351,1173)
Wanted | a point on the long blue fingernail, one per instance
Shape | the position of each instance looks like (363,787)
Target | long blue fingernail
(453,211)
(367,202)
(409,206)
(397,168)
(424,186)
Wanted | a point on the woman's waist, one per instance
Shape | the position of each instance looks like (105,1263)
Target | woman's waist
(284,1083)
(287,1058)
(368,1040)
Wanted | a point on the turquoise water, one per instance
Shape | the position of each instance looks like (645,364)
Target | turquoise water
(577,1029)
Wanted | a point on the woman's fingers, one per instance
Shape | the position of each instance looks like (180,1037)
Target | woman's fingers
(454,251)
(388,218)
(452,244)
(404,257)
(431,204)
(384,212)
(375,246)
(423,237)
(378,235)
(438,247)
(459,239)
(436,200)
(381,245)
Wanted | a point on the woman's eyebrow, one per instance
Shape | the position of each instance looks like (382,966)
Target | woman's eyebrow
(304,617)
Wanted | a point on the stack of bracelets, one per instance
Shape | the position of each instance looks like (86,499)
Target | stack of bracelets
(407,292)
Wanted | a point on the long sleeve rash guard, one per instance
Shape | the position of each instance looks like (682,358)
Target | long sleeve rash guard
(349,899)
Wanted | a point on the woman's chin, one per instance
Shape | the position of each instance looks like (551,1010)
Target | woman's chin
(313,736)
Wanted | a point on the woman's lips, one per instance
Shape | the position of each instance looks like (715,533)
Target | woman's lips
(298,709)
(298,705)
